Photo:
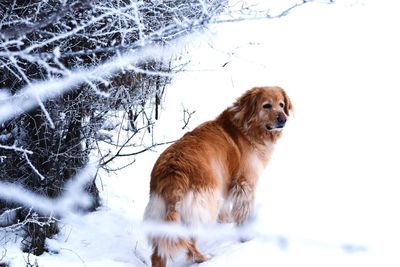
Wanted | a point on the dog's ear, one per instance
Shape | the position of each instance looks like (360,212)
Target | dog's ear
(288,102)
(246,107)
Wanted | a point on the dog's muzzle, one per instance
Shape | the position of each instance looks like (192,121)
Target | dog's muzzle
(280,123)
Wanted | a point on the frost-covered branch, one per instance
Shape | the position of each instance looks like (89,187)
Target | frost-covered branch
(26,98)
(25,28)
(16,149)
(101,28)
(33,167)
(239,11)
(67,203)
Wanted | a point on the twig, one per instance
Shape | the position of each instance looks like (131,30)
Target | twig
(187,115)
(119,154)
(76,254)
(33,167)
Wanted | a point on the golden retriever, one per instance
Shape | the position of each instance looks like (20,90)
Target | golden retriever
(211,173)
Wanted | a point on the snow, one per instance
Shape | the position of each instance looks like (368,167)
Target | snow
(330,194)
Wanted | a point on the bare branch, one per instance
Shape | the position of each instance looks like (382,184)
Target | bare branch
(187,115)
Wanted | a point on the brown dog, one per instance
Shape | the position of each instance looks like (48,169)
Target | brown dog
(211,173)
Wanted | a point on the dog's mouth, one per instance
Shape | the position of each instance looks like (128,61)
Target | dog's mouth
(278,127)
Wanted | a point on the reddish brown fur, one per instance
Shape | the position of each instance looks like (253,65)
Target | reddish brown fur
(220,156)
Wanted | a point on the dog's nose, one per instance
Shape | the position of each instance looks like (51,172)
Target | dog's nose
(281,120)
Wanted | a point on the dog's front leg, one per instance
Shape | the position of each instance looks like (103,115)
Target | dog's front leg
(242,197)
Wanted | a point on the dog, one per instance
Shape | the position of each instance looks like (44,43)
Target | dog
(210,174)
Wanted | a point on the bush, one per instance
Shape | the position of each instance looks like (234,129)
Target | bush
(45,40)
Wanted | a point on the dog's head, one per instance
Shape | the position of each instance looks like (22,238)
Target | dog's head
(262,110)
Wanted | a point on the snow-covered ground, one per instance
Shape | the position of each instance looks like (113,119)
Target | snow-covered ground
(330,195)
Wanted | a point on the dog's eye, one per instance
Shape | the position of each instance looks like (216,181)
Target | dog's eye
(267,106)
(282,105)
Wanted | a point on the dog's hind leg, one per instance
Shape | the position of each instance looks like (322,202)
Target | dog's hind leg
(164,247)
(193,253)
(157,260)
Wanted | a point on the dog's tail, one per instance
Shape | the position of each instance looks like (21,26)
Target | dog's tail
(165,244)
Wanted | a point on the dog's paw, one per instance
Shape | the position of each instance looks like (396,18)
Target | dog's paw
(198,257)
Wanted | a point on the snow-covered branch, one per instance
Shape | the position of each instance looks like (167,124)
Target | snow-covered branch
(73,198)
(26,98)
(16,149)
